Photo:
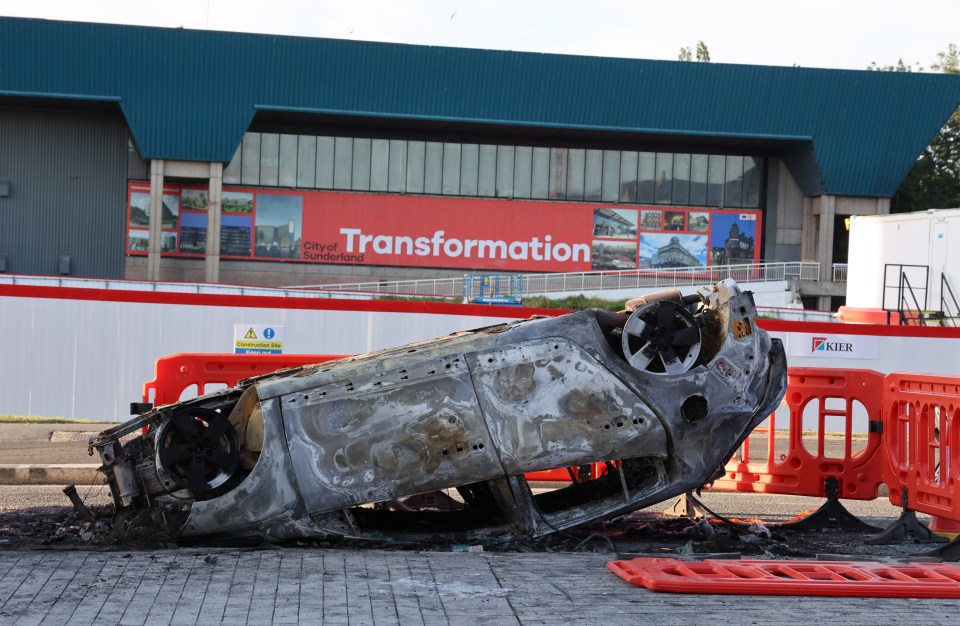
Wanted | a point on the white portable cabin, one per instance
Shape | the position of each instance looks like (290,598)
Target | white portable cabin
(907,255)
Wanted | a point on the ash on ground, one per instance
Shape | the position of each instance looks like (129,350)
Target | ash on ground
(643,532)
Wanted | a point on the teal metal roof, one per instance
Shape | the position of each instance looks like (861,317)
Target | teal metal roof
(191,95)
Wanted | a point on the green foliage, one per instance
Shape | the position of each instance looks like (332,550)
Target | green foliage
(899,67)
(702,53)
(934,180)
(578,303)
(949,62)
(417,299)
(27,419)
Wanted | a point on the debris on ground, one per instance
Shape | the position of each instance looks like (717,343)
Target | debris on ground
(642,532)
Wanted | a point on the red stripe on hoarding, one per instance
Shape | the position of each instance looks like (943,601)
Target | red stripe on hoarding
(830,328)
(430,308)
(273,302)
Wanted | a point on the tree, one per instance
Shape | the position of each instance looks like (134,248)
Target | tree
(934,180)
(702,54)
(899,67)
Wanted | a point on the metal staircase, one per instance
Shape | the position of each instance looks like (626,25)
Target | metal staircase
(950,311)
(906,294)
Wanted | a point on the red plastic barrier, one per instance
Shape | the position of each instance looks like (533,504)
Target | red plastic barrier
(921,431)
(793,578)
(787,466)
(175,373)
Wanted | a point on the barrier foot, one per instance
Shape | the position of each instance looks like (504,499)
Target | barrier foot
(686,506)
(906,526)
(949,552)
(832,514)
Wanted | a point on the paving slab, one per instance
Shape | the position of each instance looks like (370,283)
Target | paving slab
(336,586)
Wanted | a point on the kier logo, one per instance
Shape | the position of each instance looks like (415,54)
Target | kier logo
(822,344)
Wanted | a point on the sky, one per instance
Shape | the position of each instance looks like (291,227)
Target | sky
(845,34)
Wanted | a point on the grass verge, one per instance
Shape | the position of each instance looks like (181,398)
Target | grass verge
(30,419)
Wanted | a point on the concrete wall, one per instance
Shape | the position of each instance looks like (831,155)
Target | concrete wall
(785,206)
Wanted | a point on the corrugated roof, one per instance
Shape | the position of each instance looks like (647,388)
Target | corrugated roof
(192,94)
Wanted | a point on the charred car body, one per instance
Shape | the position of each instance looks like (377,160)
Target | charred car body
(374,446)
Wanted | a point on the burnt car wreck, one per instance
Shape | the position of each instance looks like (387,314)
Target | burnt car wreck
(432,441)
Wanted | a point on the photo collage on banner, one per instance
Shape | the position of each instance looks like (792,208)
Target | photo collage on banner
(672,238)
(138,227)
(252,224)
(614,239)
(427,231)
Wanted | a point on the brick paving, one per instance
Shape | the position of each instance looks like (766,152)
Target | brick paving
(326,586)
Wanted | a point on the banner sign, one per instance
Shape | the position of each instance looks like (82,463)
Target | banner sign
(831,346)
(445,232)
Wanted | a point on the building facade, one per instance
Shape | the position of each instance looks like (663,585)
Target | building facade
(169,154)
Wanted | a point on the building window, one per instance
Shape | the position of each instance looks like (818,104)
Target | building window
(416,160)
(342,162)
(715,180)
(360,179)
(469,169)
(487,169)
(698,180)
(733,191)
(611,176)
(648,178)
(502,171)
(681,179)
(326,146)
(269,159)
(592,175)
(307,162)
(397,169)
(379,164)
(663,186)
(433,168)
(287,169)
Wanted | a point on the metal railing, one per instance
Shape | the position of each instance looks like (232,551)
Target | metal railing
(452,288)
(160,287)
(948,315)
(839,272)
(534,284)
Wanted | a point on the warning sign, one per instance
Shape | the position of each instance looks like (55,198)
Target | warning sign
(257,339)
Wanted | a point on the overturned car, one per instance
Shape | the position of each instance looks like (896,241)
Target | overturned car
(432,441)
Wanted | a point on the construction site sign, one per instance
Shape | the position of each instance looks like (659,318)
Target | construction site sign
(257,339)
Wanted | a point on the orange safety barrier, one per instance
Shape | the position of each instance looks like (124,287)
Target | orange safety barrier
(175,373)
(793,578)
(794,464)
(921,433)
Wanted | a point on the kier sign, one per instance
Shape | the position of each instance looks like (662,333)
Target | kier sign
(833,346)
